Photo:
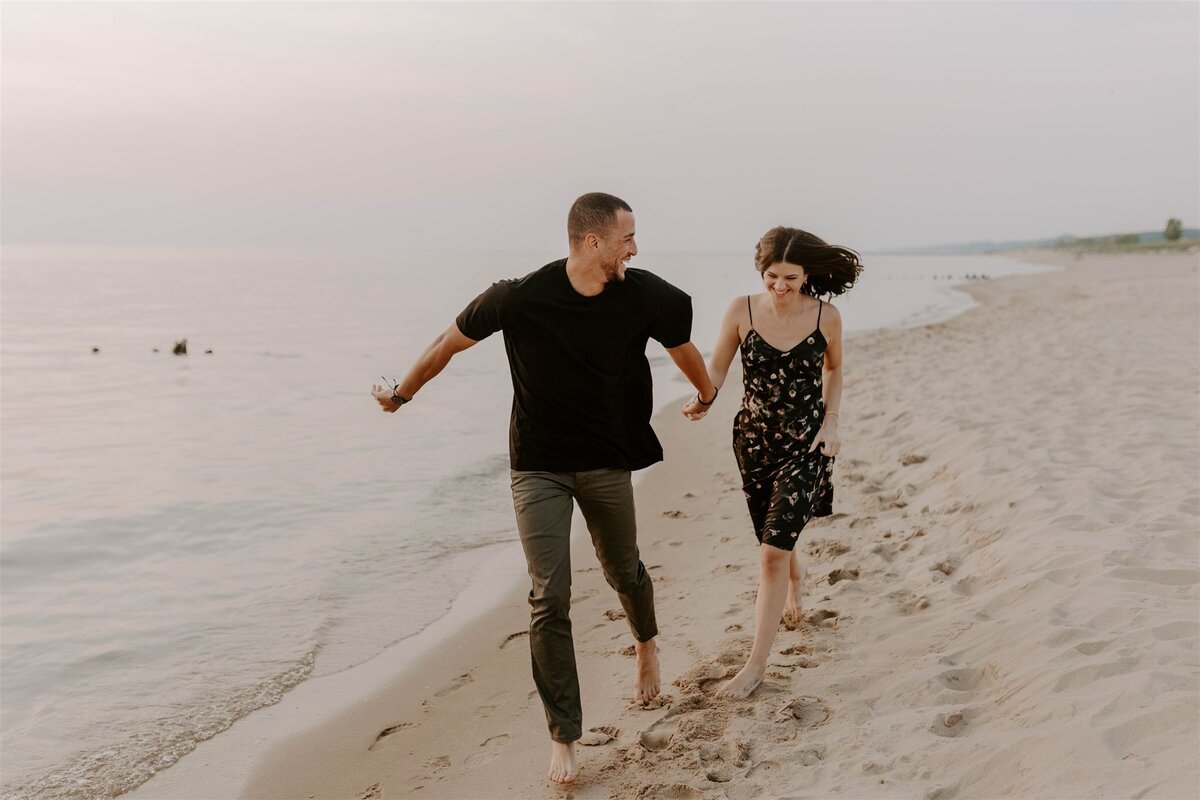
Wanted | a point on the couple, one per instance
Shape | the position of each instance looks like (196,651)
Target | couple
(575,332)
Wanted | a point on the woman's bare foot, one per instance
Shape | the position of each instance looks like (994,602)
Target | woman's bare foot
(743,684)
(793,612)
(646,682)
(563,767)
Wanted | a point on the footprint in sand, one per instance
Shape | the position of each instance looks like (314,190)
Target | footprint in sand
(667,791)
(825,549)
(600,735)
(810,756)
(1091,648)
(796,650)
(489,706)
(458,683)
(763,770)
(908,459)
(967,679)
(721,774)
(842,574)
(907,601)
(822,618)
(614,614)
(1164,577)
(800,663)
(372,792)
(1090,674)
(805,711)
(490,751)
(966,586)
(388,732)
(656,739)
(1176,630)
(674,514)
(951,725)
(946,566)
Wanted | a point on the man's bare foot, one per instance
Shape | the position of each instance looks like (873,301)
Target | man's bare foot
(563,767)
(743,684)
(646,683)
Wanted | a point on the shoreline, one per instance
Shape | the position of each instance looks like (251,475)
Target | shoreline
(277,746)
(238,747)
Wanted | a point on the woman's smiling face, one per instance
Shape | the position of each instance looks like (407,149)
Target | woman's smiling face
(783,279)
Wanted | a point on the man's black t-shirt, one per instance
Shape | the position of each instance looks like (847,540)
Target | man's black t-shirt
(582,395)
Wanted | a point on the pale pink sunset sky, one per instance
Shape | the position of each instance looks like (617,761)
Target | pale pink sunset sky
(475,124)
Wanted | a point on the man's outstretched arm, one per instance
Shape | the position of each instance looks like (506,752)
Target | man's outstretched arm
(431,362)
(691,364)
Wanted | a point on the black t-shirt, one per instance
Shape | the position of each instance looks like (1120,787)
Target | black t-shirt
(582,394)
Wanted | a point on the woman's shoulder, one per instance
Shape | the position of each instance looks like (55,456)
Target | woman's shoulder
(831,318)
(830,309)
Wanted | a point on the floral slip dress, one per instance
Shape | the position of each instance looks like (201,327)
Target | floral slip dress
(782,410)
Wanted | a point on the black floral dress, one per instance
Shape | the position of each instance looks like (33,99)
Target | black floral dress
(782,411)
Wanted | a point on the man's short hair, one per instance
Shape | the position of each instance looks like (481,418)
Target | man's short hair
(594,212)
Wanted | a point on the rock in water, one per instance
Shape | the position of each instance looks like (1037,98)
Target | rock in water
(180,347)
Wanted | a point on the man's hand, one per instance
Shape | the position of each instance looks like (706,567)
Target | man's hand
(384,395)
(694,409)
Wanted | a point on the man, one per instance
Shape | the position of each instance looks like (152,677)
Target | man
(575,332)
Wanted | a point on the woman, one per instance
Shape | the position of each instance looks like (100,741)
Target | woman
(785,436)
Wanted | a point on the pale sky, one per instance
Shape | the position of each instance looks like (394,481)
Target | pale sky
(431,125)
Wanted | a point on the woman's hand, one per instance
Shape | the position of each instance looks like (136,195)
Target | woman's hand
(694,409)
(828,439)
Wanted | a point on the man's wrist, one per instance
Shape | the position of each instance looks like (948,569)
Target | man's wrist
(399,399)
(703,402)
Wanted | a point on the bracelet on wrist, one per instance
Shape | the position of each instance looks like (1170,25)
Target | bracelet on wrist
(397,398)
(834,413)
(716,392)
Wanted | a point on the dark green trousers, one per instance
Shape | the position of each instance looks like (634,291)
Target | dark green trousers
(543,502)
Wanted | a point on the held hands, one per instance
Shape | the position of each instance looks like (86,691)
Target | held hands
(384,395)
(827,438)
(694,409)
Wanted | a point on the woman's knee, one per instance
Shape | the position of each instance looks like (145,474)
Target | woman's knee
(774,559)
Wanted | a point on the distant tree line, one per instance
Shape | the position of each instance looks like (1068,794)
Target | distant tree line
(1172,233)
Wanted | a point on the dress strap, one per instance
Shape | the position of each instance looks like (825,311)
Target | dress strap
(748,311)
(820,308)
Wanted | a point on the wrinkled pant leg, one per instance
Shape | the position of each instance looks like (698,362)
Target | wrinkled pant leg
(543,505)
(606,499)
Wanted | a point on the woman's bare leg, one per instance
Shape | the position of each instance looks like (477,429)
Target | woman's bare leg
(773,569)
(792,609)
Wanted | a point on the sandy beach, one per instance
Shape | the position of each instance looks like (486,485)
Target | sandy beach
(1004,603)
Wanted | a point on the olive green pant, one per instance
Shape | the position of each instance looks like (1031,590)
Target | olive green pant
(543,502)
